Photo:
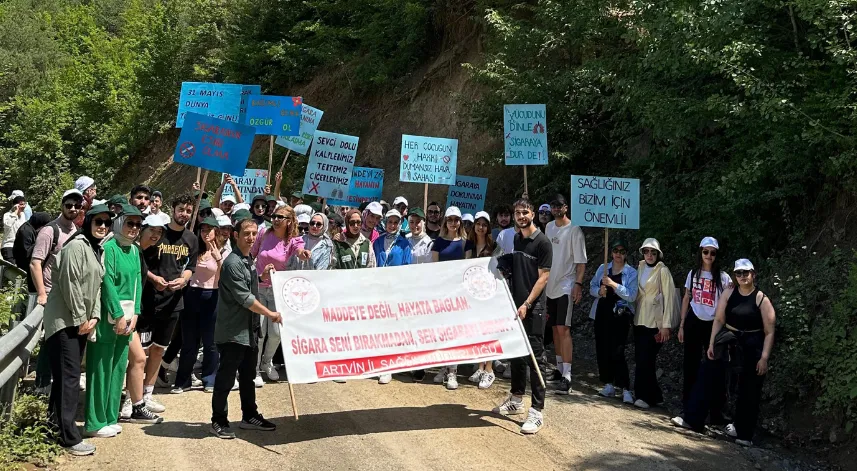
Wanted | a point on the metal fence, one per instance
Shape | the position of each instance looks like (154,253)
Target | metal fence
(17,345)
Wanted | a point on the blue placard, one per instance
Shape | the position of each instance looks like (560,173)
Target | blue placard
(246,91)
(366,185)
(468,194)
(274,115)
(428,160)
(605,202)
(310,117)
(250,184)
(525,132)
(214,144)
(219,100)
(328,173)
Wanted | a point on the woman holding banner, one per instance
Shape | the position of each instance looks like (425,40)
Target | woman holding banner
(273,249)
(482,246)
(615,290)
(353,249)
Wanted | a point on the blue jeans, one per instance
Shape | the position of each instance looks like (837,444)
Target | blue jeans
(197,322)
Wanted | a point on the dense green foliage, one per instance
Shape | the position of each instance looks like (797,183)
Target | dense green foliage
(28,436)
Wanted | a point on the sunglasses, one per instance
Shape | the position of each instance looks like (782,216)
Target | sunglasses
(303,229)
(713,253)
(280,217)
(73,206)
(742,273)
(316,224)
(260,206)
(620,251)
(434,211)
(355,223)
(134,225)
(650,251)
(101,222)
(544,212)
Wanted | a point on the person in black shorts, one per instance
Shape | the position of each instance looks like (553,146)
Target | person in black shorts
(171,263)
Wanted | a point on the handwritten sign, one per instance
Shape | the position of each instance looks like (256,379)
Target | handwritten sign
(331,162)
(525,132)
(246,91)
(219,100)
(274,115)
(310,117)
(251,183)
(428,160)
(468,194)
(366,185)
(605,202)
(214,144)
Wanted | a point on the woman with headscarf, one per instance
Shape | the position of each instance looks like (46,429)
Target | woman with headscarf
(71,313)
(25,240)
(107,356)
(353,249)
(318,242)
(273,249)
(12,221)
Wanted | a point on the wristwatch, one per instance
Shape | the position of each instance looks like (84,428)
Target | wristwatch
(528,304)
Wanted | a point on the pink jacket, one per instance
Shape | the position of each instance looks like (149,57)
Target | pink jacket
(269,248)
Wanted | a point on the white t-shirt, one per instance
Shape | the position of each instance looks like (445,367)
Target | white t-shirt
(647,272)
(704,295)
(569,249)
(506,240)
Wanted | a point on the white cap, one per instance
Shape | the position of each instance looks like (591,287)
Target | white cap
(302,209)
(97,202)
(240,206)
(217,212)
(394,212)
(545,207)
(467,217)
(710,242)
(375,208)
(228,198)
(452,211)
(154,220)
(281,203)
(400,199)
(303,218)
(16,194)
(73,191)
(743,264)
(652,243)
(483,214)
(223,221)
(83,183)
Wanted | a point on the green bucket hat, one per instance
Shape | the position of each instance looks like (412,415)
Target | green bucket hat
(240,215)
(210,221)
(100,209)
(258,198)
(417,212)
(204,204)
(618,242)
(117,199)
(131,210)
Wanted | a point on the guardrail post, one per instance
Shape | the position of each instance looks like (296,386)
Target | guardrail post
(8,392)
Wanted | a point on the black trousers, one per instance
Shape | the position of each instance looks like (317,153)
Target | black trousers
(519,367)
(697,334)
(197,325)
(8,255)
(611,336)
(65,349)
(646,350)
(175,345)
(241,359)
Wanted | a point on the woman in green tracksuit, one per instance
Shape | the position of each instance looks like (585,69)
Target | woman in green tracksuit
(107,356)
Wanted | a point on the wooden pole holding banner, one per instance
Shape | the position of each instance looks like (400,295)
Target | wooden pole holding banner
(198,201)
(294,404)
(198,173)
(530,349)
(606,248)
(526,190)
(283,165)
(270,158)
(425,198)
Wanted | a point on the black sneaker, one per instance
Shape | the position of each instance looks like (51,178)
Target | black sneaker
(419,375)
(222,431)
(564,387)
(555,377)
(141,414)
(257,423)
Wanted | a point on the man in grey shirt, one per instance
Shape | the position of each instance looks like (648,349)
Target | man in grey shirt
(236,333)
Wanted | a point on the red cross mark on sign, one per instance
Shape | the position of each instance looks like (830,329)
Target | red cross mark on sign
(314,187)
(186,150)
(297,101)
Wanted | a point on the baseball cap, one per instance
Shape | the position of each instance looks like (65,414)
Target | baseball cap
(400,199)
(467,217)
(241,215)
(83,182)
(153,220)
(303,209)
(228,198)
(74,192)
(558,200)
(224,221)
(131,210)
(117,199)
(204,204)
(271,198)
(258,197)
(416,212)
(394,213)
(100,209)
(743,264)
(452,211)
(303,218)
(210,221)
(618,242)
(709,242)
(483,214)
(545,207)
(239,207)
(375,208)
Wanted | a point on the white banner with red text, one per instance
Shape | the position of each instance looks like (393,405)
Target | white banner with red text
(341,324)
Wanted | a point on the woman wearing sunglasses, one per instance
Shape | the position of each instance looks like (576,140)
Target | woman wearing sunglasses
(71,314)
(749,321)
(273,249)
(703,288)
(657,314)
(319,245)
(545,216)
(353,249)
(258,208)
(615,290)
(107,354)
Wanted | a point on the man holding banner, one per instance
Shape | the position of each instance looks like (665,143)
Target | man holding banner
(528,269)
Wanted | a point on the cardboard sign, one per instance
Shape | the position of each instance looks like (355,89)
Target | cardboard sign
(439,314)
(310,117)
(246,91)
(468,194)
(605,202)
(250,184)
(525,132)
(218,100)
(366,185)
(428,160)
(328,173)
(274,115)
(214,144)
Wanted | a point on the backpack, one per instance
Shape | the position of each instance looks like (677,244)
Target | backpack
(53,225)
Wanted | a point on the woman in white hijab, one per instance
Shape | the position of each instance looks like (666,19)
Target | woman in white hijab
(318,242)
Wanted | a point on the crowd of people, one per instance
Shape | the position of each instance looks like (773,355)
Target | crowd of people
(179,296)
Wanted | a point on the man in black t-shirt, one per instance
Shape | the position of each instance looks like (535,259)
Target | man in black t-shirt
(528,268)
(171,263)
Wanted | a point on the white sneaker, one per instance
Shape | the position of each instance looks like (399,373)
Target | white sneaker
(608,391)
(271,372)
(259,382)
(154,405)
(177,391)
(451,381)
(83,381)
(641,404)
(440,376)
(116,427)
(487,380)
(507,373)
(104,432)
(510,407)
(195,382)
(535,421)
(126,410)
(476,377)
(678,421)
(627,398)
(731,431)
(744,443)
(385,379)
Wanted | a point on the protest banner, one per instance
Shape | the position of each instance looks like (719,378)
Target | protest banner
(605,202)
(525,136)
(251,182)
(328,173)
(439,314)
(366,185)
(468,194)
(246,91)
(214,144)
(428,160)
(274,115)
(310,117)
(218,100)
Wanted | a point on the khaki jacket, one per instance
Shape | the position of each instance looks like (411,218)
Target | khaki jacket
(76,293)
(657,301)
